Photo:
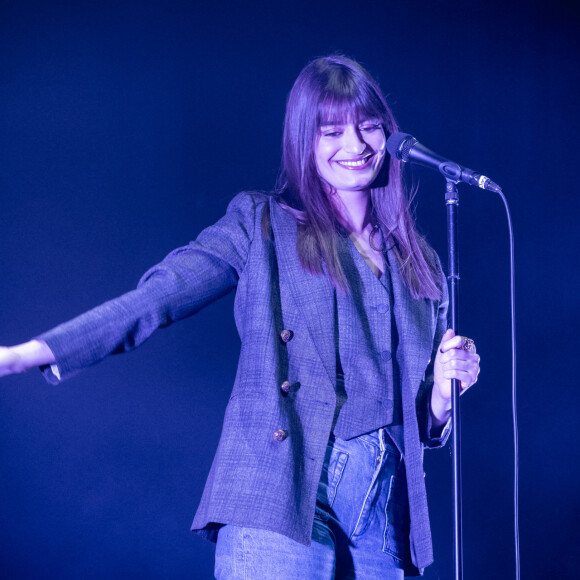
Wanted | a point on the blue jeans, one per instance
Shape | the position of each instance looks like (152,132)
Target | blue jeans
(361,523)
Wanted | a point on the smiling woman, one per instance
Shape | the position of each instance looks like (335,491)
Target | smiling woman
(336,114)
(350,156)
(344,371)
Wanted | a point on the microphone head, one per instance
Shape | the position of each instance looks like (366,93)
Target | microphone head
(399,146)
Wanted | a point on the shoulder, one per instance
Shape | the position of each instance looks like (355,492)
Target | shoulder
(262,209)
(434,262)
(431,257)
(244,213)
(248,202)
(429,253)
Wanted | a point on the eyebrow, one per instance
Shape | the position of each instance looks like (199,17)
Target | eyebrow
(332,123)
(341,123)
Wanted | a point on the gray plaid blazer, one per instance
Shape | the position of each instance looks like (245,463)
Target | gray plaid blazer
(268,463)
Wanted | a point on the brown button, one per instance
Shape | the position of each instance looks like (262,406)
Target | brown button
(285,386)
(280,435)
(286,335)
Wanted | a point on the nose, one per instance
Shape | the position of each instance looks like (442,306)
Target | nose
(354,143)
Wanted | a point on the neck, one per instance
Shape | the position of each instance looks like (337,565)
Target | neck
(353,209)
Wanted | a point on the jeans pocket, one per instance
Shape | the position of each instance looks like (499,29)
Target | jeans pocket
(332,470)
(396,519)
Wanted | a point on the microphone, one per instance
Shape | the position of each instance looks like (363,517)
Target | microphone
(405,147)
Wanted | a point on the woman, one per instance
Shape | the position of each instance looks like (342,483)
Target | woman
(345,363)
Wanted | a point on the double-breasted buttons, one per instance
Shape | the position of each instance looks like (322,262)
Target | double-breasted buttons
(285,386)
(286,335)
(280,435)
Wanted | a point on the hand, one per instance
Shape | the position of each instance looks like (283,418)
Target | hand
(10,362)
(454,362)
(19,358)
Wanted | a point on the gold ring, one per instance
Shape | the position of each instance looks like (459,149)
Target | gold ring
(468,344)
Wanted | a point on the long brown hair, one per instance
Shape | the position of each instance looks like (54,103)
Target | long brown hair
(336,88)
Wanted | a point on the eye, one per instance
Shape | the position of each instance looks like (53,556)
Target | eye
(370,127)
(331,133)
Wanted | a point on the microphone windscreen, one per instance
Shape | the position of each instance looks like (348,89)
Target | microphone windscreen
(399,145)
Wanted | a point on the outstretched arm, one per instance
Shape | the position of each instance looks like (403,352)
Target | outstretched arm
(187,280)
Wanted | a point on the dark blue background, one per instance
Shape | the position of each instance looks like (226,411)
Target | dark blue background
(127,126)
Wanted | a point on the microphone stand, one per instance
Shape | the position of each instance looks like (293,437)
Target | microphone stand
(452,202)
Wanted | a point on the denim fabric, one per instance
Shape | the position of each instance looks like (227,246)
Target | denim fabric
(360,527)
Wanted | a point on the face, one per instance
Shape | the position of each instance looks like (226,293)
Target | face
(348,156)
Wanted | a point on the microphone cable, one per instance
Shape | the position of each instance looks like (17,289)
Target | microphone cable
(514,391)
(406,148)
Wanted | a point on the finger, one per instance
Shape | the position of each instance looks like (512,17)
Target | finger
(450,340)
(471,366)
(458,354)
(465,386)
(458,342)
(449,334)
(464,372)
(472,380)
(465,377)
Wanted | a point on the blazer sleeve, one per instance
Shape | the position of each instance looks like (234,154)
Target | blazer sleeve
(188,279)
(433,437)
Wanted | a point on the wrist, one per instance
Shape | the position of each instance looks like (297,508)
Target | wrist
(30,354)
(440,407)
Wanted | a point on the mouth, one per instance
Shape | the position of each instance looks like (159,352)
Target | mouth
(356,164)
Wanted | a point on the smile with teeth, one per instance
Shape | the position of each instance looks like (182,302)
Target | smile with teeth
(358,164)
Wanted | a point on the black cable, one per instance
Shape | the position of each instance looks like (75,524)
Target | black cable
(514,400)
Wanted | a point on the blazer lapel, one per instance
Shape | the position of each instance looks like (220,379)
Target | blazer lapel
(314,295)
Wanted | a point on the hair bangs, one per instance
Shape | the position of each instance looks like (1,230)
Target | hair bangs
(348,95)
(340,109)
